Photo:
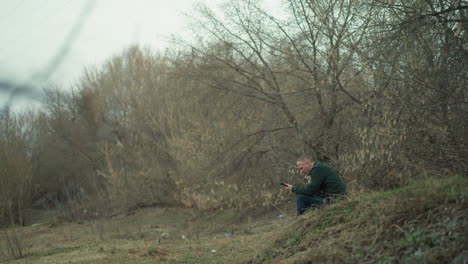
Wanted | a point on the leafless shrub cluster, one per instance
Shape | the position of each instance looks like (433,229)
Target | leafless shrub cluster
(376,88)
(15,181)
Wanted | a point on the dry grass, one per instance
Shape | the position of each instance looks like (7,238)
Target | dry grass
(422,223)
(184,235)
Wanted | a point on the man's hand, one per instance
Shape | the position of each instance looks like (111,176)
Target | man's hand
(287,186)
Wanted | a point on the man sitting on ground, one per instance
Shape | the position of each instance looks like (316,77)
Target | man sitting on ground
(324,186)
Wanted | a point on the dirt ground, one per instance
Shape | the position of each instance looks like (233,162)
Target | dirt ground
(149,235)
(421,223)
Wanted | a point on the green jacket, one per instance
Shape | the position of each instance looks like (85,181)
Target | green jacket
(323,181)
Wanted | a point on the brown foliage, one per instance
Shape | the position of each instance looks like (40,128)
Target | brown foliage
(376,89)
(15,170)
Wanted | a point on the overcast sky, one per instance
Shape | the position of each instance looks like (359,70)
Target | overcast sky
(32,32)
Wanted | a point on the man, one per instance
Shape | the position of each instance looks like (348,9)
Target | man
(324,186)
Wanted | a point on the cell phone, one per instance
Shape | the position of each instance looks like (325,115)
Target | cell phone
(284,184)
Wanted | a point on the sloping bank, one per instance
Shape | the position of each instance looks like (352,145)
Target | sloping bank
(420,223)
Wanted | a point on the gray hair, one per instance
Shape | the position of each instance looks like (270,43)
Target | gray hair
(304,158)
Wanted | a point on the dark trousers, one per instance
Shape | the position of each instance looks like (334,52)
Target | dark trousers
(304,202)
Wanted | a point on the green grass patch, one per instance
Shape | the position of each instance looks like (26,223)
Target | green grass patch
(450,189)
(54,251)
(337,214)
(419,223)
(288,246)
(200,259)
(294,240)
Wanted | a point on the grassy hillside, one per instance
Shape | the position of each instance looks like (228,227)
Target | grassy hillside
(421,223)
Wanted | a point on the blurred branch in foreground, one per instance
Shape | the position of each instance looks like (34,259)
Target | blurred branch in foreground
(29,89)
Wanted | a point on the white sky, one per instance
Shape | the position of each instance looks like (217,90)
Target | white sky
(32,32)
